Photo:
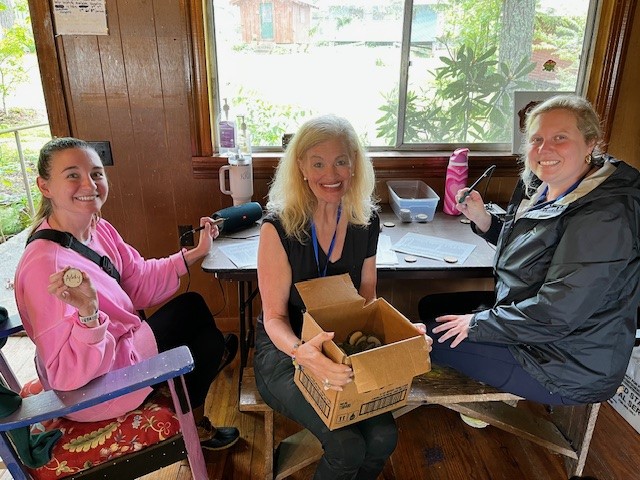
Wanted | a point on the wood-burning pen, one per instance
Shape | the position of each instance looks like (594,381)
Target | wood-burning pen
(217,221)
(475,184)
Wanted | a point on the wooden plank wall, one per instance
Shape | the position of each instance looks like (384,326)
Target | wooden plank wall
(134,87)
(625,132)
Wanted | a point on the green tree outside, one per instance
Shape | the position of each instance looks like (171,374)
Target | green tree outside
(16,42)
(469,98)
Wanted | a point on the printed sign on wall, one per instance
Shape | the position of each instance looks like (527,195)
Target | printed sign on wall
(80,17)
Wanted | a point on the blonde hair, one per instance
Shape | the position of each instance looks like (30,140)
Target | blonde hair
(587,121)
(47,152)
(290,196)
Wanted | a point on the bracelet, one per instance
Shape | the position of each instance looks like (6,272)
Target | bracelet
(294,350)
(89,319)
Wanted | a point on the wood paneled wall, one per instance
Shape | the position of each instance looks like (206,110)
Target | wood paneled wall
(133,88)
(624,140)
(141,88)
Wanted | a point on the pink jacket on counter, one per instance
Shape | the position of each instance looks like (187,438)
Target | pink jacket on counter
(69,354)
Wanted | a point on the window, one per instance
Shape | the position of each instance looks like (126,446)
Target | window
(413,75)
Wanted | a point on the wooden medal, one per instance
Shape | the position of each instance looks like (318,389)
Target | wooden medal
(72,278)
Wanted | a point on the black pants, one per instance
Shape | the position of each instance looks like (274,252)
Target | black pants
(357,451)
(186,320)
(490,363)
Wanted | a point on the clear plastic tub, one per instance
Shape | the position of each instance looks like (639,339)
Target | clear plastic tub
(414,195)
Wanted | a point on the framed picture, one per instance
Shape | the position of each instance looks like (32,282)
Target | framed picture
(523,101)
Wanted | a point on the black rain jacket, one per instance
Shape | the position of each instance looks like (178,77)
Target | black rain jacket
(567,284)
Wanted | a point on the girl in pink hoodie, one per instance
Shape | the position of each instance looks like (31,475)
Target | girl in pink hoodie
(84,331)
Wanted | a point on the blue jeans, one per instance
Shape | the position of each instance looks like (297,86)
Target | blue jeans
(489,363)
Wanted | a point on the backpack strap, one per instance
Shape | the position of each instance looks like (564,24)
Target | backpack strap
(69,241)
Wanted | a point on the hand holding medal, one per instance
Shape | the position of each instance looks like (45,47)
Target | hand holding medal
(74,287)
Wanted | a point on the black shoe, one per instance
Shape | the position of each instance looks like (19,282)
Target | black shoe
(230,350)
(223,438)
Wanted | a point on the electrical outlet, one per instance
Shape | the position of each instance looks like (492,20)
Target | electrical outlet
(186,235)
(104,152)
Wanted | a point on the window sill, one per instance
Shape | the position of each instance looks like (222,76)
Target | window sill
(390,164)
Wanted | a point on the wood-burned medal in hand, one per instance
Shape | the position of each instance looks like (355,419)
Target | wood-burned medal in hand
(72,278)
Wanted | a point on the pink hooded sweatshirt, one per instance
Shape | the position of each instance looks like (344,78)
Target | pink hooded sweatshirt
(69,354)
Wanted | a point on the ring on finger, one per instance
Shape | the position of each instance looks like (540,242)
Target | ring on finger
(326,384)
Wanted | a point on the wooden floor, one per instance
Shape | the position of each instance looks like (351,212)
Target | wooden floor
(434,443)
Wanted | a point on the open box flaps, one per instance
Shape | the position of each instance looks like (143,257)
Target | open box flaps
(329,292)
(382,375)
(381,367)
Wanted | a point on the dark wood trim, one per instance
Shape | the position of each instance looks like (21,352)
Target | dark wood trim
(140,462)
(613,38)
(50,67)
(199,105)
(387,165)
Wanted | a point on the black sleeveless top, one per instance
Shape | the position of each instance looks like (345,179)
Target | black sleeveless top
(360,242)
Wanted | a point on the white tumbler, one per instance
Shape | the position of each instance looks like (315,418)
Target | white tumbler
(240,179)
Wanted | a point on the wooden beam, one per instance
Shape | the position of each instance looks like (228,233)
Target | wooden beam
(614,30)
(50,65)
(199,105)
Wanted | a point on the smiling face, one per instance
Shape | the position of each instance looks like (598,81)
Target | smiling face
(327,168)
(77,184)
(557,149)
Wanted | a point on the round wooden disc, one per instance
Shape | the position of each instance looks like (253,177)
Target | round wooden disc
(72,277)
(450,259)
(410,259)
(421,218)
(389,224)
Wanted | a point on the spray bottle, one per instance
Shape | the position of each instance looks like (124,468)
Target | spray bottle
(240,169)
(227,132)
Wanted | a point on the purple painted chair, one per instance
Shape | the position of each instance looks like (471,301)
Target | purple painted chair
(164,367)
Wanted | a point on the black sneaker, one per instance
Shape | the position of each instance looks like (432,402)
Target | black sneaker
(205,429)
(223,438)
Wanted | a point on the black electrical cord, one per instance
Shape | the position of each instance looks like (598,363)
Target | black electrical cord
(484,195)
(222,292)
(486,185)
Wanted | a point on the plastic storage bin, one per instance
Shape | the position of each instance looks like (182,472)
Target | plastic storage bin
(414,195)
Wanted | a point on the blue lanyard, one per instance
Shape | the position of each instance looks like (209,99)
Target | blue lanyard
(314,237)
(541,202)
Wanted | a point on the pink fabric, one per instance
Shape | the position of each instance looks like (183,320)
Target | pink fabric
(70,354)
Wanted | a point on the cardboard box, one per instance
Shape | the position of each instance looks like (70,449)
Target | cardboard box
(627,402)
(383,375)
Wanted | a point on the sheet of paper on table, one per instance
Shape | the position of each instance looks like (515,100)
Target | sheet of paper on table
(434,248)
(243,254)
(385,255)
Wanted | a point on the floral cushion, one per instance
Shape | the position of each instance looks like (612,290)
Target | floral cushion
(86,444)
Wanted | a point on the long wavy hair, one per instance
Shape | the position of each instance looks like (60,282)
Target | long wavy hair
(587,121)
(47,152)
(290,196)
